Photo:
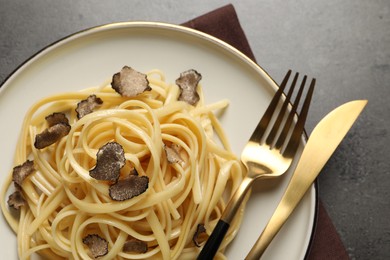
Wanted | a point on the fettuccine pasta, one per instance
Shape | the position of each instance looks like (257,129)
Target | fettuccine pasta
(66,210)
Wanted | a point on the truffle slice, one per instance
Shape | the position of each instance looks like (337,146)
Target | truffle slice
(129,187)
(173,153)
(188,82)
(200,229)
(20,172)
(86,106)
(51,135)
(16,200)
(110,159)
(129,82)
(57,118)
(133,171)
(136,246)
(97,245)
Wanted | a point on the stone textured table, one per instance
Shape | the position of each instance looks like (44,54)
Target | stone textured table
(344,44)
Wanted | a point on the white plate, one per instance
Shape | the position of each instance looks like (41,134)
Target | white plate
(88,58)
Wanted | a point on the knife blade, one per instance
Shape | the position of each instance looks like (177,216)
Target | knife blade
(321,144)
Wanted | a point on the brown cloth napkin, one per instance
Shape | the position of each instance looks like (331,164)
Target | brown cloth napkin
(223,23)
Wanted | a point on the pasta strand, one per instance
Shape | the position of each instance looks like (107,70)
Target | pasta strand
(65,204)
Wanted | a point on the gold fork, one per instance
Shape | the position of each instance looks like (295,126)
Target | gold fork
(268,154)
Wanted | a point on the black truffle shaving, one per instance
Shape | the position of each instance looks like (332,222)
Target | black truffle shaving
(16,199)
(110,159)
(188,82)
(51,135)
(86,106)
(200,229)
(135,246)
(129,82)
(97,245)
(20,172)
(129,187)
(133,171)
(173,153)
(56,118)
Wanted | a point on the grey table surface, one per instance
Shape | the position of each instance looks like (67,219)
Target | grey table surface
(344,44)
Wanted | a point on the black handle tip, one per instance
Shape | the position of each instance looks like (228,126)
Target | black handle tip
(212,244)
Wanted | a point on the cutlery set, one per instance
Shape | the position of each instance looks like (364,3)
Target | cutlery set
(272,148)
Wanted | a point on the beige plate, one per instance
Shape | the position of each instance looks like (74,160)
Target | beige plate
(89,57)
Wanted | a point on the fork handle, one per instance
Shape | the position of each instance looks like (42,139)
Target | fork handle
(214,241)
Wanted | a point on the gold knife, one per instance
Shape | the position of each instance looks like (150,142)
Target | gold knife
(321,144)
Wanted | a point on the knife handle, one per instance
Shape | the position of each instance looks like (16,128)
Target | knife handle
(300,182)
(211,247)
(274,225)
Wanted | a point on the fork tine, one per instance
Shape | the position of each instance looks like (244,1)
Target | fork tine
(282,112)
(284,133)
(298,130)
(262,125)
(259,158)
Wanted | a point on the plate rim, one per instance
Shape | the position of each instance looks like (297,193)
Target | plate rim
(182,29)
